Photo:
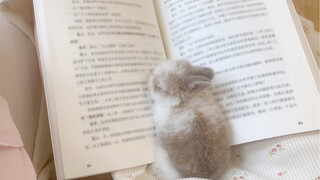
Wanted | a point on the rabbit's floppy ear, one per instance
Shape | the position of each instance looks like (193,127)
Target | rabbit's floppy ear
(202,71)
(196,83)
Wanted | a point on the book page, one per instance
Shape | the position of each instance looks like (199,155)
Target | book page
(96,58)
(262,75)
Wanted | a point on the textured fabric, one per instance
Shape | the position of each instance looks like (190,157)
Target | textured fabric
(48,172)
(15,163)
(20,83)
(288,157)
(291,157)
(137,173)
(42,154)
(20,14)
(9,135)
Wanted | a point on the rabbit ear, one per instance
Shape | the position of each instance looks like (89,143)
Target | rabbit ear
(195,84)
(202,71)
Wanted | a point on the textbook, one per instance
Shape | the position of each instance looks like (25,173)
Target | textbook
(96,57)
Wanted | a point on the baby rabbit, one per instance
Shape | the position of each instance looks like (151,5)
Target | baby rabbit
(192,132)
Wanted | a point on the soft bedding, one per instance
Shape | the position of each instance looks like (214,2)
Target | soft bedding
(291,157)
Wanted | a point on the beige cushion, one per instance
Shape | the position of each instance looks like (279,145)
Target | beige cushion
(20,82)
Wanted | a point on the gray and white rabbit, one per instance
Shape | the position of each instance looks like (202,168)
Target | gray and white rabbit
(192,132)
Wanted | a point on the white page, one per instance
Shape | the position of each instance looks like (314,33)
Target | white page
(263,79)
(96,58)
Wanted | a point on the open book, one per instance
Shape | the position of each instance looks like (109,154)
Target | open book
(96,57)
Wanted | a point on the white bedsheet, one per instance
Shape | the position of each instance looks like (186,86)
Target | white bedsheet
(294,157)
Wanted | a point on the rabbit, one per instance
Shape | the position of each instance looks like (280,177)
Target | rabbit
(192,133)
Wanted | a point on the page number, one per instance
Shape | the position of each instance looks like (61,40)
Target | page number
(88,165)
(300,123)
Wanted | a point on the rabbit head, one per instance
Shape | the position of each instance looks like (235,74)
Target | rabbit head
(174,81)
